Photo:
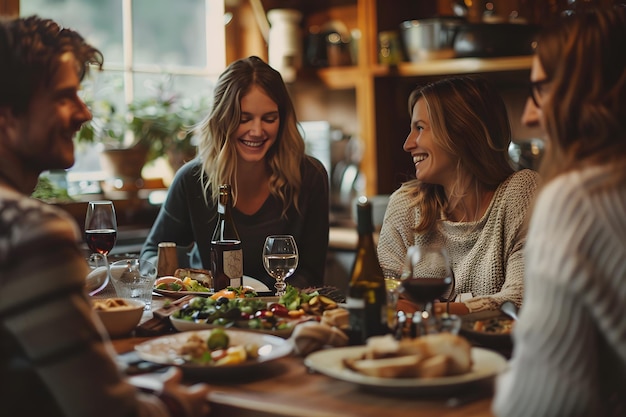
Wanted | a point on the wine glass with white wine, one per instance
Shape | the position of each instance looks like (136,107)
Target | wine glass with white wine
(280,259)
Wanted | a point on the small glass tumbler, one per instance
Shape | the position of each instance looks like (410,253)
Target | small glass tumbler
(450,323)
(392,284)
(134,278)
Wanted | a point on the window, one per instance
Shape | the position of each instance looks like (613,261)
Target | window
(143,42)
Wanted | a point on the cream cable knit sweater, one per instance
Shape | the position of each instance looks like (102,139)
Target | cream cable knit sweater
(486,255)
(570,342)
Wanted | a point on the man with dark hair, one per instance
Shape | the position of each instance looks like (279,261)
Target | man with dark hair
(54,360)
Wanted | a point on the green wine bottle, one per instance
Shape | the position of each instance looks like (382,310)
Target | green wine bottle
(367,298)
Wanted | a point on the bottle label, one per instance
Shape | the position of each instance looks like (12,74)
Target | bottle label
(356,308)
(355,303)
(233,265)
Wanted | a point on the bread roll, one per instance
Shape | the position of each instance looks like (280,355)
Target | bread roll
(310,336)
(429,356)
(457,348)
(396,367)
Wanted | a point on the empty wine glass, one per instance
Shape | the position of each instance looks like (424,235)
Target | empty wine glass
(280,259)
(101,229)
(427,276)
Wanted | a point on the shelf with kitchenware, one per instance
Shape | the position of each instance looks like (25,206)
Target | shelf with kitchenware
(376,93)
(464,66)
(347,76)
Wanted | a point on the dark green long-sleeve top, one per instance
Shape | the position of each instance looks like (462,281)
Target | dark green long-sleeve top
(186,219)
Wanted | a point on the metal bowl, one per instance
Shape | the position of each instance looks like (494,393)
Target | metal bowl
(426,39)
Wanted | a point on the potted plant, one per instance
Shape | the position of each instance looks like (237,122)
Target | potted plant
(165,123)
(159,125)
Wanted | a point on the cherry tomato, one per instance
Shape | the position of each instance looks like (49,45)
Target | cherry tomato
(263,314)
(279,310)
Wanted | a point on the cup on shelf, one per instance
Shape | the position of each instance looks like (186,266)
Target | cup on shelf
(134,278)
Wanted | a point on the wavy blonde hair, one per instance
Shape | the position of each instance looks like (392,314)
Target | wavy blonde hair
(469,121)
(584,57)
(217,150)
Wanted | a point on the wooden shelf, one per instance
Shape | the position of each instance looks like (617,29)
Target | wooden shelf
(340,78)
(464,66)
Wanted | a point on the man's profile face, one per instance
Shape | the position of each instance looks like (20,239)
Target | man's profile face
(43,136)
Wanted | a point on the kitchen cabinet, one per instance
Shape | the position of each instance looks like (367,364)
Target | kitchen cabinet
(379,93)
(9,8)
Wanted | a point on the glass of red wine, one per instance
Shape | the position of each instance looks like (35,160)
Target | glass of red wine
(101,229)
(427,277)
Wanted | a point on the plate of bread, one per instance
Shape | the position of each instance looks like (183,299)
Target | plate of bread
(437,363)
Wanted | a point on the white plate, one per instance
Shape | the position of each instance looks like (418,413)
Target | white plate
(249,281)
(178,294)
(255,283)
(164,350)
(330,362)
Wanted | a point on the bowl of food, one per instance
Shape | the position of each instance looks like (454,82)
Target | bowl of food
(489,330)
(120,316)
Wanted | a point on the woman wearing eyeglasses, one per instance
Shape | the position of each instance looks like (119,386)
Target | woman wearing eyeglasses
(570,341)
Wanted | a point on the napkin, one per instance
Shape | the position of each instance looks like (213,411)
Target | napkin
(311,336)
(160,322)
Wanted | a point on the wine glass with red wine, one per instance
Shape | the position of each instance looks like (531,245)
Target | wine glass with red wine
(427,277)
(101,228)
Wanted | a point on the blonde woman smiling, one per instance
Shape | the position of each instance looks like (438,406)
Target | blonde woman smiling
(250,139)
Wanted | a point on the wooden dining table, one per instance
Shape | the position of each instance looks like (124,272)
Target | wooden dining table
(285,387)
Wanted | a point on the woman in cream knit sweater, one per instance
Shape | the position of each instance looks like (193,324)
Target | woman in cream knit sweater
(465,196)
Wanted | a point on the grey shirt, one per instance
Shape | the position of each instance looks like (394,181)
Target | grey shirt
(55,357)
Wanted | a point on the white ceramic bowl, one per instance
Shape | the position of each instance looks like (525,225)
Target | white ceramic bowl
(120,321)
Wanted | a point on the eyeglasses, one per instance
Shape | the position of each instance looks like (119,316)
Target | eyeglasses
(536,90)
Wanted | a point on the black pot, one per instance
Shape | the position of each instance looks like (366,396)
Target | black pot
(494,39)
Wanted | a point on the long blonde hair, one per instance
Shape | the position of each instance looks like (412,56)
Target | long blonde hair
(470,122)
(584,58)
(218,152)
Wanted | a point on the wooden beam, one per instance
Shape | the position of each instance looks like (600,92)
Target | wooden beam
(9,8)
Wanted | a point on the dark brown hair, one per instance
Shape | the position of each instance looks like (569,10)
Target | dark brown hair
(30,49)
(584,57)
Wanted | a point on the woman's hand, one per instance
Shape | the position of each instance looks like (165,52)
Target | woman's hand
(440,307)
(455,308)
